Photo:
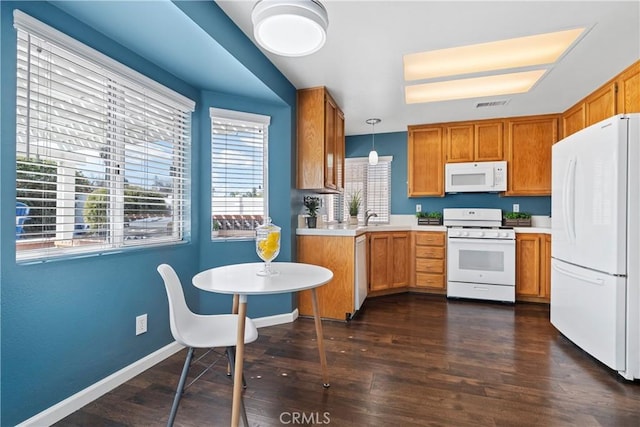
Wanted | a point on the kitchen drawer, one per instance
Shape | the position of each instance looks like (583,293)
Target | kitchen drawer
(430,239)
(481,291)
(429,265)
(429,252)
(427,280)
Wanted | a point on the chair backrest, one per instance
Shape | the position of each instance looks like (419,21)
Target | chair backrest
(22,212)
(179,313)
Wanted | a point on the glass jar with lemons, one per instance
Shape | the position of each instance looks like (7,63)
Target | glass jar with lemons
(267,245)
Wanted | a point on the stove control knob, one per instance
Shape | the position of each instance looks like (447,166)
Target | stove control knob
(480,233)
(465,233)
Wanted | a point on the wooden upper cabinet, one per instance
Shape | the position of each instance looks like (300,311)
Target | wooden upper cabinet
(529,142)
(620,95)
(573,120)
(330,143)
(475,142)
(628,96)
(340,151)
(460,143)
(489,145)
(320,141)
(425,152)
(601,104)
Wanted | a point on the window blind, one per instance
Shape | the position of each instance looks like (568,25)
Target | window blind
(101,159)
(239,190)
(374,185)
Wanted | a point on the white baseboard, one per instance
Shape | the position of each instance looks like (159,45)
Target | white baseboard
(71,404)
(278,319)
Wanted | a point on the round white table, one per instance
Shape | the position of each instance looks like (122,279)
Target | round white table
(242,280)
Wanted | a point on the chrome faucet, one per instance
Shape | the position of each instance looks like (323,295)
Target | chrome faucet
(369,215)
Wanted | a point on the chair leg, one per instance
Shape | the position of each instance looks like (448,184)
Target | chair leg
(231,355)
(180,390)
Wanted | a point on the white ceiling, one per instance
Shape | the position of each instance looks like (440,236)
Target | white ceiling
(361,62)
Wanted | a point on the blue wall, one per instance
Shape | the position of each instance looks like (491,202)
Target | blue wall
(67,324)
(395,144)
(280,171)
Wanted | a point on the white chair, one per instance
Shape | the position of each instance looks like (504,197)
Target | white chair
(200,331)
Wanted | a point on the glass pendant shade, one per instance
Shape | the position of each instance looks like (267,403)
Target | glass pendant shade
(373,154)
(373,158)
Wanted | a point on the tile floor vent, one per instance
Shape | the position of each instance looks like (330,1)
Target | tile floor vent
(492,103)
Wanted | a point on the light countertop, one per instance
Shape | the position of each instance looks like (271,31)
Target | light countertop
(356,230)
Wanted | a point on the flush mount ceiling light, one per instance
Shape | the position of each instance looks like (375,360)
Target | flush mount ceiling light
(373,154)
(290,28)
(502,84)
(518,52)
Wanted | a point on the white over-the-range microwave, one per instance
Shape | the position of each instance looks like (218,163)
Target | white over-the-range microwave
(475,177)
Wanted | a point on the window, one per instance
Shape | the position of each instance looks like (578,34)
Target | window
(238,173)
(374,184)
(101,150)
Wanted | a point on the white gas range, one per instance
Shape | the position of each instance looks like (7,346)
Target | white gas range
(481,255)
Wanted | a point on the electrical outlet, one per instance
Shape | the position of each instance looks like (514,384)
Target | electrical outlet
(418,207)
(141,324)
(516,207)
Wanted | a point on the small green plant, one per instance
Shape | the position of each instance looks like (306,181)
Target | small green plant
(312,204)
(434,214)
(517,215)
(354,203)
(215,226)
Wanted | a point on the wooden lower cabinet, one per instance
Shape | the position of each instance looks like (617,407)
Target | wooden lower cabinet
(430,261)
(337,253)
(533,267)
(388,260)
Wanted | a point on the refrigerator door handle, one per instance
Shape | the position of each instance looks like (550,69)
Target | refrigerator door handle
(572,198)
(566,217)
(568,200)
(578,276)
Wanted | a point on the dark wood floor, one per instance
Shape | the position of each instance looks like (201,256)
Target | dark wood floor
(407,360)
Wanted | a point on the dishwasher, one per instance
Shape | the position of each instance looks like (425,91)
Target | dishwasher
(361,271)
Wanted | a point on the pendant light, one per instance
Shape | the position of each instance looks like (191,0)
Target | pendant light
(373,155)
(290,27)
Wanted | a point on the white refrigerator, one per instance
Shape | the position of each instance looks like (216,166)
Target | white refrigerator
(595,265)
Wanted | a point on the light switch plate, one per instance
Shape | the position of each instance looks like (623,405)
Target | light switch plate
(516,207)
(418,207)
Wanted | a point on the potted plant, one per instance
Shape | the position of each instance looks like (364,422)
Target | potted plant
(517,219)
(354,207)
(215,228)
(312,204)
(429,218)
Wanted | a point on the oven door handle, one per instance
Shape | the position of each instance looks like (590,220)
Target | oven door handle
(485,241)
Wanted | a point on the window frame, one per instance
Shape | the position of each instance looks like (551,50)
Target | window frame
(243,119)
(179,141)
(343,207)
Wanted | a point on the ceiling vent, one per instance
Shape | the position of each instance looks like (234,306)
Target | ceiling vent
(492,103)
